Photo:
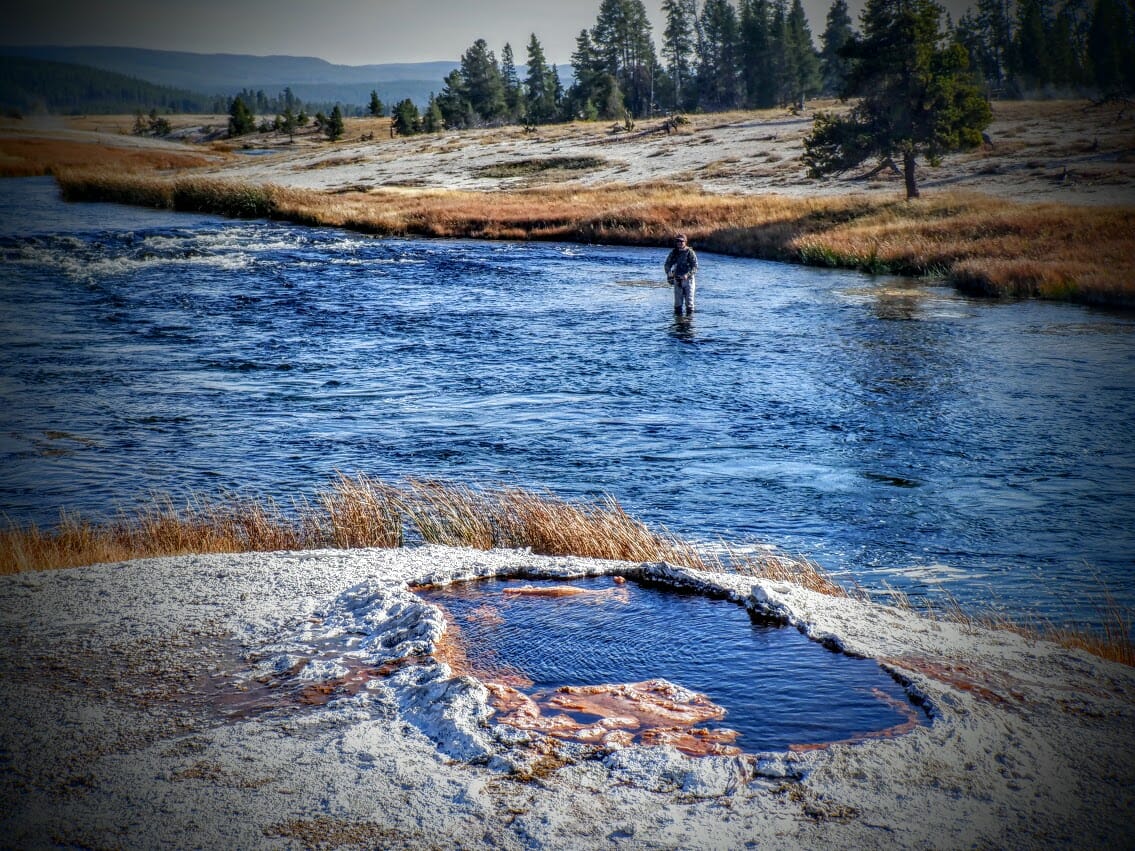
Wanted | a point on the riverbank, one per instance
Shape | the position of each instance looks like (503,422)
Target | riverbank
(210,700)
(1047,209)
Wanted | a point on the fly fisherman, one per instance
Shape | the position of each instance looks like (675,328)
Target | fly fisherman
(681,271)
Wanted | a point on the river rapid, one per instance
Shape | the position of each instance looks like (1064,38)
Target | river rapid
(900,434)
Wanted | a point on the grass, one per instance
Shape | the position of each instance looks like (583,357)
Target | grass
(364,512)
(30,156)
(528,167)
(981,244)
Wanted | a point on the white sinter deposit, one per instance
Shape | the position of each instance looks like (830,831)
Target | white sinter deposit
(265,701)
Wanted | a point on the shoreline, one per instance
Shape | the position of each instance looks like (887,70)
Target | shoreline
(1027,744)
(1046,210)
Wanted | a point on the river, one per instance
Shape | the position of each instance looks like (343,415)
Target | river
(900,434)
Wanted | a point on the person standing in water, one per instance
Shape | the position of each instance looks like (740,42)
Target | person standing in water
(681,272)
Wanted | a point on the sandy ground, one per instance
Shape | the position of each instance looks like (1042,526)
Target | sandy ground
(1066,151)
(135,716)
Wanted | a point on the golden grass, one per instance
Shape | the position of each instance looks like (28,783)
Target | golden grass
(28,156)
(367,512)
(982,244)
(1111,640)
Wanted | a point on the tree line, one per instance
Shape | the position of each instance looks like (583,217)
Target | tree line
(720,54)
(40,85)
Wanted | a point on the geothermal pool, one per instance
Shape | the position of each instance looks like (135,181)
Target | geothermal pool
(765,686)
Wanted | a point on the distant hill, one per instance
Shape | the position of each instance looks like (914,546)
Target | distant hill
(35,85)
(310,79)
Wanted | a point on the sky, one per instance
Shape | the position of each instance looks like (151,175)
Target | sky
(346,32)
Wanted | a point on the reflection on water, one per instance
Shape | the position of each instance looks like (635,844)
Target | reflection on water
(897,434)
(586,660)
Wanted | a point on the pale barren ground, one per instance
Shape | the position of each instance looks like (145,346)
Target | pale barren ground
(136,715)
(1065,151)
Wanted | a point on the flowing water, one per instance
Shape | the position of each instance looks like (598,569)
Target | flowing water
(901,435)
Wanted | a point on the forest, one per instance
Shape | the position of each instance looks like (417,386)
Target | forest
(720,55)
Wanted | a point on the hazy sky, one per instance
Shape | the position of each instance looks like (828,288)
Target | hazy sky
(349,32)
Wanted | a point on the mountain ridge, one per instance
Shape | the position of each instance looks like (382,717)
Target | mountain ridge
(310,78)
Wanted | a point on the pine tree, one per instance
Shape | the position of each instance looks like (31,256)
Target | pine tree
(1111,56)
(406,119)
(783,57)
(678,49)
(806,64)
(241,119)
(288,122)
(719,83)
(1031,48)
(375,107)
(513,93)
(916,94)
(432,120)
(541,85)
(484,88)
(585,94)
(456,111)
(333,127)
(837,33)
(623,45)
(757,54)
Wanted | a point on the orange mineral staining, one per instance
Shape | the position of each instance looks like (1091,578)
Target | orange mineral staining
(615,714)
(547,591)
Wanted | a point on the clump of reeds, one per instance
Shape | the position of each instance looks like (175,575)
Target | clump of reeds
(366,512)
(235,199)
(361,511)
(158,528)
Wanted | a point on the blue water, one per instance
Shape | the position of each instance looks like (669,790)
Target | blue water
(901,435)
(777,687)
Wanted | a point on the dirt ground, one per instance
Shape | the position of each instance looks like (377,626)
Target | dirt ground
(1063,151)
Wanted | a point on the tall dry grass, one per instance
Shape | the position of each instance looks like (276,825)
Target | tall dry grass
(981,244)
(361,511)
(28,156)
(366,512)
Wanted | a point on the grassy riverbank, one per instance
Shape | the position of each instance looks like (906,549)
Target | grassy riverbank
(981,244)
(365,512)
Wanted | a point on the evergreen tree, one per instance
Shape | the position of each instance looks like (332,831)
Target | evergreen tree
(456,111)
(1111,56)
(837,33)
(541,86)
(679,42)
(432,120)
(513,93)
(406,119)
(623,45)
(586,93)
(916,94)
(333,127)
(986,32)
(805,62)
(481,78)
(1031,48)
(783,57)
(375,107)
(719,83)
(757,54)
(241,119)
(1066,45)
(287,122)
